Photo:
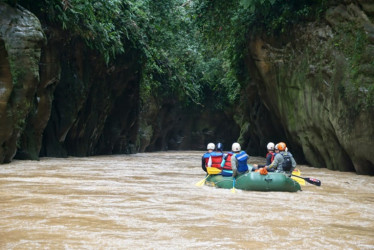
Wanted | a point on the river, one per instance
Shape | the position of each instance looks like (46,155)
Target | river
(150,201)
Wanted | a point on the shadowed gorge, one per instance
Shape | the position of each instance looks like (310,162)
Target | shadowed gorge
(82,78)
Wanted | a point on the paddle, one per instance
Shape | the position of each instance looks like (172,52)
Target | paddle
(233,185)
(202,182)
(213,170)
(310,180)
(298,180)
(210,171)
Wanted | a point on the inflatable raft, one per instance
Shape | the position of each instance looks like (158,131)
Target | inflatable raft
(254,181)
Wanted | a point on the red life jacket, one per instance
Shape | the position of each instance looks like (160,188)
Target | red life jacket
(216,159)
(272,155)
(227,165)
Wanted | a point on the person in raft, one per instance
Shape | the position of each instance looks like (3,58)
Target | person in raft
(226,161)
(239,160)
(211,158)
(219,147)
(283,161)
(269,157)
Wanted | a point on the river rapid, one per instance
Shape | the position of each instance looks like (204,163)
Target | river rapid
(150,201)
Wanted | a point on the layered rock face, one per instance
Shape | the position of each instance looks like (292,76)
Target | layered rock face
(59,98)
(21,40)
(317,84)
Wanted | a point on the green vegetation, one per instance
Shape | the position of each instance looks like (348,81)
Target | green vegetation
(358,89)
(191,50)
(177,62)
(226,24)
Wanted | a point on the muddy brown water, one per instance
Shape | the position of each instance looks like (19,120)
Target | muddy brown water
(150,201)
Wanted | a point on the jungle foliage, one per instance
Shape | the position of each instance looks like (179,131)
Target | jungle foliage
(177,62)
(192,50)
(226,24)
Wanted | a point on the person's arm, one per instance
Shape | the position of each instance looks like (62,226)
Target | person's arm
(203,164)
(293,162)
(233,166)
(223,160)
(274,164)
(223,163)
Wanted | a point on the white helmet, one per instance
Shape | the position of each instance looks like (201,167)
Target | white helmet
(211,146)
(276,147)
(270,146)
(235,147)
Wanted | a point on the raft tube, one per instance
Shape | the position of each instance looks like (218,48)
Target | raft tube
(254,181)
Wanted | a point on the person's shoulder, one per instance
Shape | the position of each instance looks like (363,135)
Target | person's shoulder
(215,153)
(244,153)
(287,153)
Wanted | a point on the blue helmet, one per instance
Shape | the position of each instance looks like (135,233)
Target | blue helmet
(219,147)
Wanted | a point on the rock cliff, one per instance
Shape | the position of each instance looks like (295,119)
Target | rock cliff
(58,97)
(312,87)
(317,84)
(21,39)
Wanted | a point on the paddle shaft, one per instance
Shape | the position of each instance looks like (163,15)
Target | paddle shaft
(233,185)
(310,180)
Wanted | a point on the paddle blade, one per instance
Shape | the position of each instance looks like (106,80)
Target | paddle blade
(310,180)
(213,170)
(298,180)
(233,186)
(202,182)
(296,171)
(313,181)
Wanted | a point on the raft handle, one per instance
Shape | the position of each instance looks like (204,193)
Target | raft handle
(268,179)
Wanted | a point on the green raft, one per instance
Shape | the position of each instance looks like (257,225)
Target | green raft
(254,181)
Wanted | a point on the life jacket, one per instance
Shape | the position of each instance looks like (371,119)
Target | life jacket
(242,158)
(287,162)
(227,165)
(272,156)
(216,158)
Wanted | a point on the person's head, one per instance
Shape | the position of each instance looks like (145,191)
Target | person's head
(219,147)
(270,146)
(210,146)
(276,148)
(235,147)
(282,146)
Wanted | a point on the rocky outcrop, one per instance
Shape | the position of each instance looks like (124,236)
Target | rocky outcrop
(60,98)
(317,83)
(21,39)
